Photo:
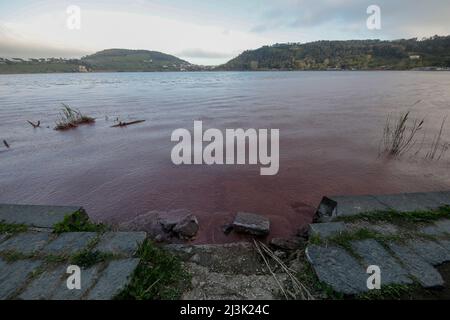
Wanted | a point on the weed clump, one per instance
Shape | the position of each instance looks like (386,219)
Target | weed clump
(78,222)
(159,275)
(70,118)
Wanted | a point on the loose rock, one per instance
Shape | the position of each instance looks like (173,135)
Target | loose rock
(252,224)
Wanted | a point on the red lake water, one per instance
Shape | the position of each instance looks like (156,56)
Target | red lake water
(330,127)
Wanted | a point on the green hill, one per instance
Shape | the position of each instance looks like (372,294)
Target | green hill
(347,55)
(133,60)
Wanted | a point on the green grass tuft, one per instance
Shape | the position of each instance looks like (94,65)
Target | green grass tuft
(88,258)
(160,275)
(12,228)
(78,222)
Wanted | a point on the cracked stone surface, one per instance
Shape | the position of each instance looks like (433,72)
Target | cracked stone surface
(113,279)
(125,243)
(373,253)
(14,275)
(69,243)
(439,228)
(26,243)
(430,251)
(421,270)
(337,268)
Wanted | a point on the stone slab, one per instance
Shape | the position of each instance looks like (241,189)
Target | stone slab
(430,251)
(438,228)
(348,205)
(43,287)
(36,216)
(26,243)
(69,243)
(88,278)
(338,269)
(113,279)
(373,253)
(421,270)
(122,243)
(409,202)
(14,275)
(326,229)
(251,223)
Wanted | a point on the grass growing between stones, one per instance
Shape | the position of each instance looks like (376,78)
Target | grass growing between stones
(12,228)
(78,222)
(88,258)
(391,292)
(400,217)
(159,276)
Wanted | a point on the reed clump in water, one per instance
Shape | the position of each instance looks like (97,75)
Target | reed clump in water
(70,118)
(399,135)
(438,148)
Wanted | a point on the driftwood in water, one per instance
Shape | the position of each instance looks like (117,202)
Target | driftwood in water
(34,125)
(6,144)
(124,124)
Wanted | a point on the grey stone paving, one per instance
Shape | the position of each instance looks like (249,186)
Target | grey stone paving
(69,243)
(113,279)
(121,243)
(421,270)
(49,254)
(439,228)
(26,243)
(430,251)
(337,268)
(43,287)
(326,230)
(88,278)
(332,206)
(35,216)
(374,254)
(14,275)
(348,205)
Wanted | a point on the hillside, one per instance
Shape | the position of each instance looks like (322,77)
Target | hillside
(111,60)
(133,60)
(347,55)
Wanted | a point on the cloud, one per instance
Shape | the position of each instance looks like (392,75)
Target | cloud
(200,53)
(17,46)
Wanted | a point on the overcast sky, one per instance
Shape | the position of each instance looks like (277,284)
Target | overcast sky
(205,31)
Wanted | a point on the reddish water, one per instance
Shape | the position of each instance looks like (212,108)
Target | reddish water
(330,127)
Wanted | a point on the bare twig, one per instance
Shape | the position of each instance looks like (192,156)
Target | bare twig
(34,125)
(299,289)
(124,124)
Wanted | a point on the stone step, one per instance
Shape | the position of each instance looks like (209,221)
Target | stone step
(334,206)
(36,216)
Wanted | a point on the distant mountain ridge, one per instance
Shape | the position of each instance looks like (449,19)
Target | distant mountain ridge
(347,55)
(406,54)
